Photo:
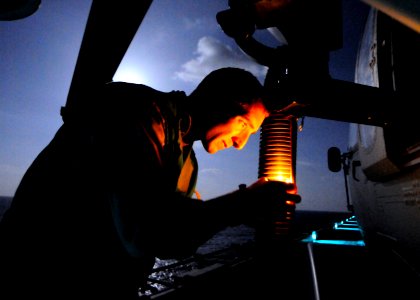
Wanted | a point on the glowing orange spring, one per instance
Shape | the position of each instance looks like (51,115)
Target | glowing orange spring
(277,162)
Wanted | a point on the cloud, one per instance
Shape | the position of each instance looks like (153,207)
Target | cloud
(212,54)
(305,163)
(193,23)
(213,171)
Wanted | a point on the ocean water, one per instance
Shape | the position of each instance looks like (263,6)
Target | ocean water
(231,237)
(224,247)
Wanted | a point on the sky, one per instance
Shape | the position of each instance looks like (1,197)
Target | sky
(177,44)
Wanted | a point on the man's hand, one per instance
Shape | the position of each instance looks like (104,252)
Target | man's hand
(264,187)
(265,199)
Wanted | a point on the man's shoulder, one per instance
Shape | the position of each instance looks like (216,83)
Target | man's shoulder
(124,101)
(139,95)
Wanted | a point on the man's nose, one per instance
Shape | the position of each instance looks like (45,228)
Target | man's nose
(240,142)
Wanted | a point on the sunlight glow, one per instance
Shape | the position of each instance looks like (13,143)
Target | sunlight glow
(129,75)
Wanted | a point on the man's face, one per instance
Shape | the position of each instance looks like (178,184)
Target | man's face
(236,131)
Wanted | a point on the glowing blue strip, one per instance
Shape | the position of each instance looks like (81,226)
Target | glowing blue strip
(340,242)
(345,225)
(347,228)
(335,242)
(313,239)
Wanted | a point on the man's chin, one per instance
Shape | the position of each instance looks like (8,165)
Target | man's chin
(211,150)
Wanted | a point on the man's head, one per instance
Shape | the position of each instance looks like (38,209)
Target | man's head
(228,108)
(227,90)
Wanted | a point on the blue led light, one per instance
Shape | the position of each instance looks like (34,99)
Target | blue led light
(340,242)
(343,225)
